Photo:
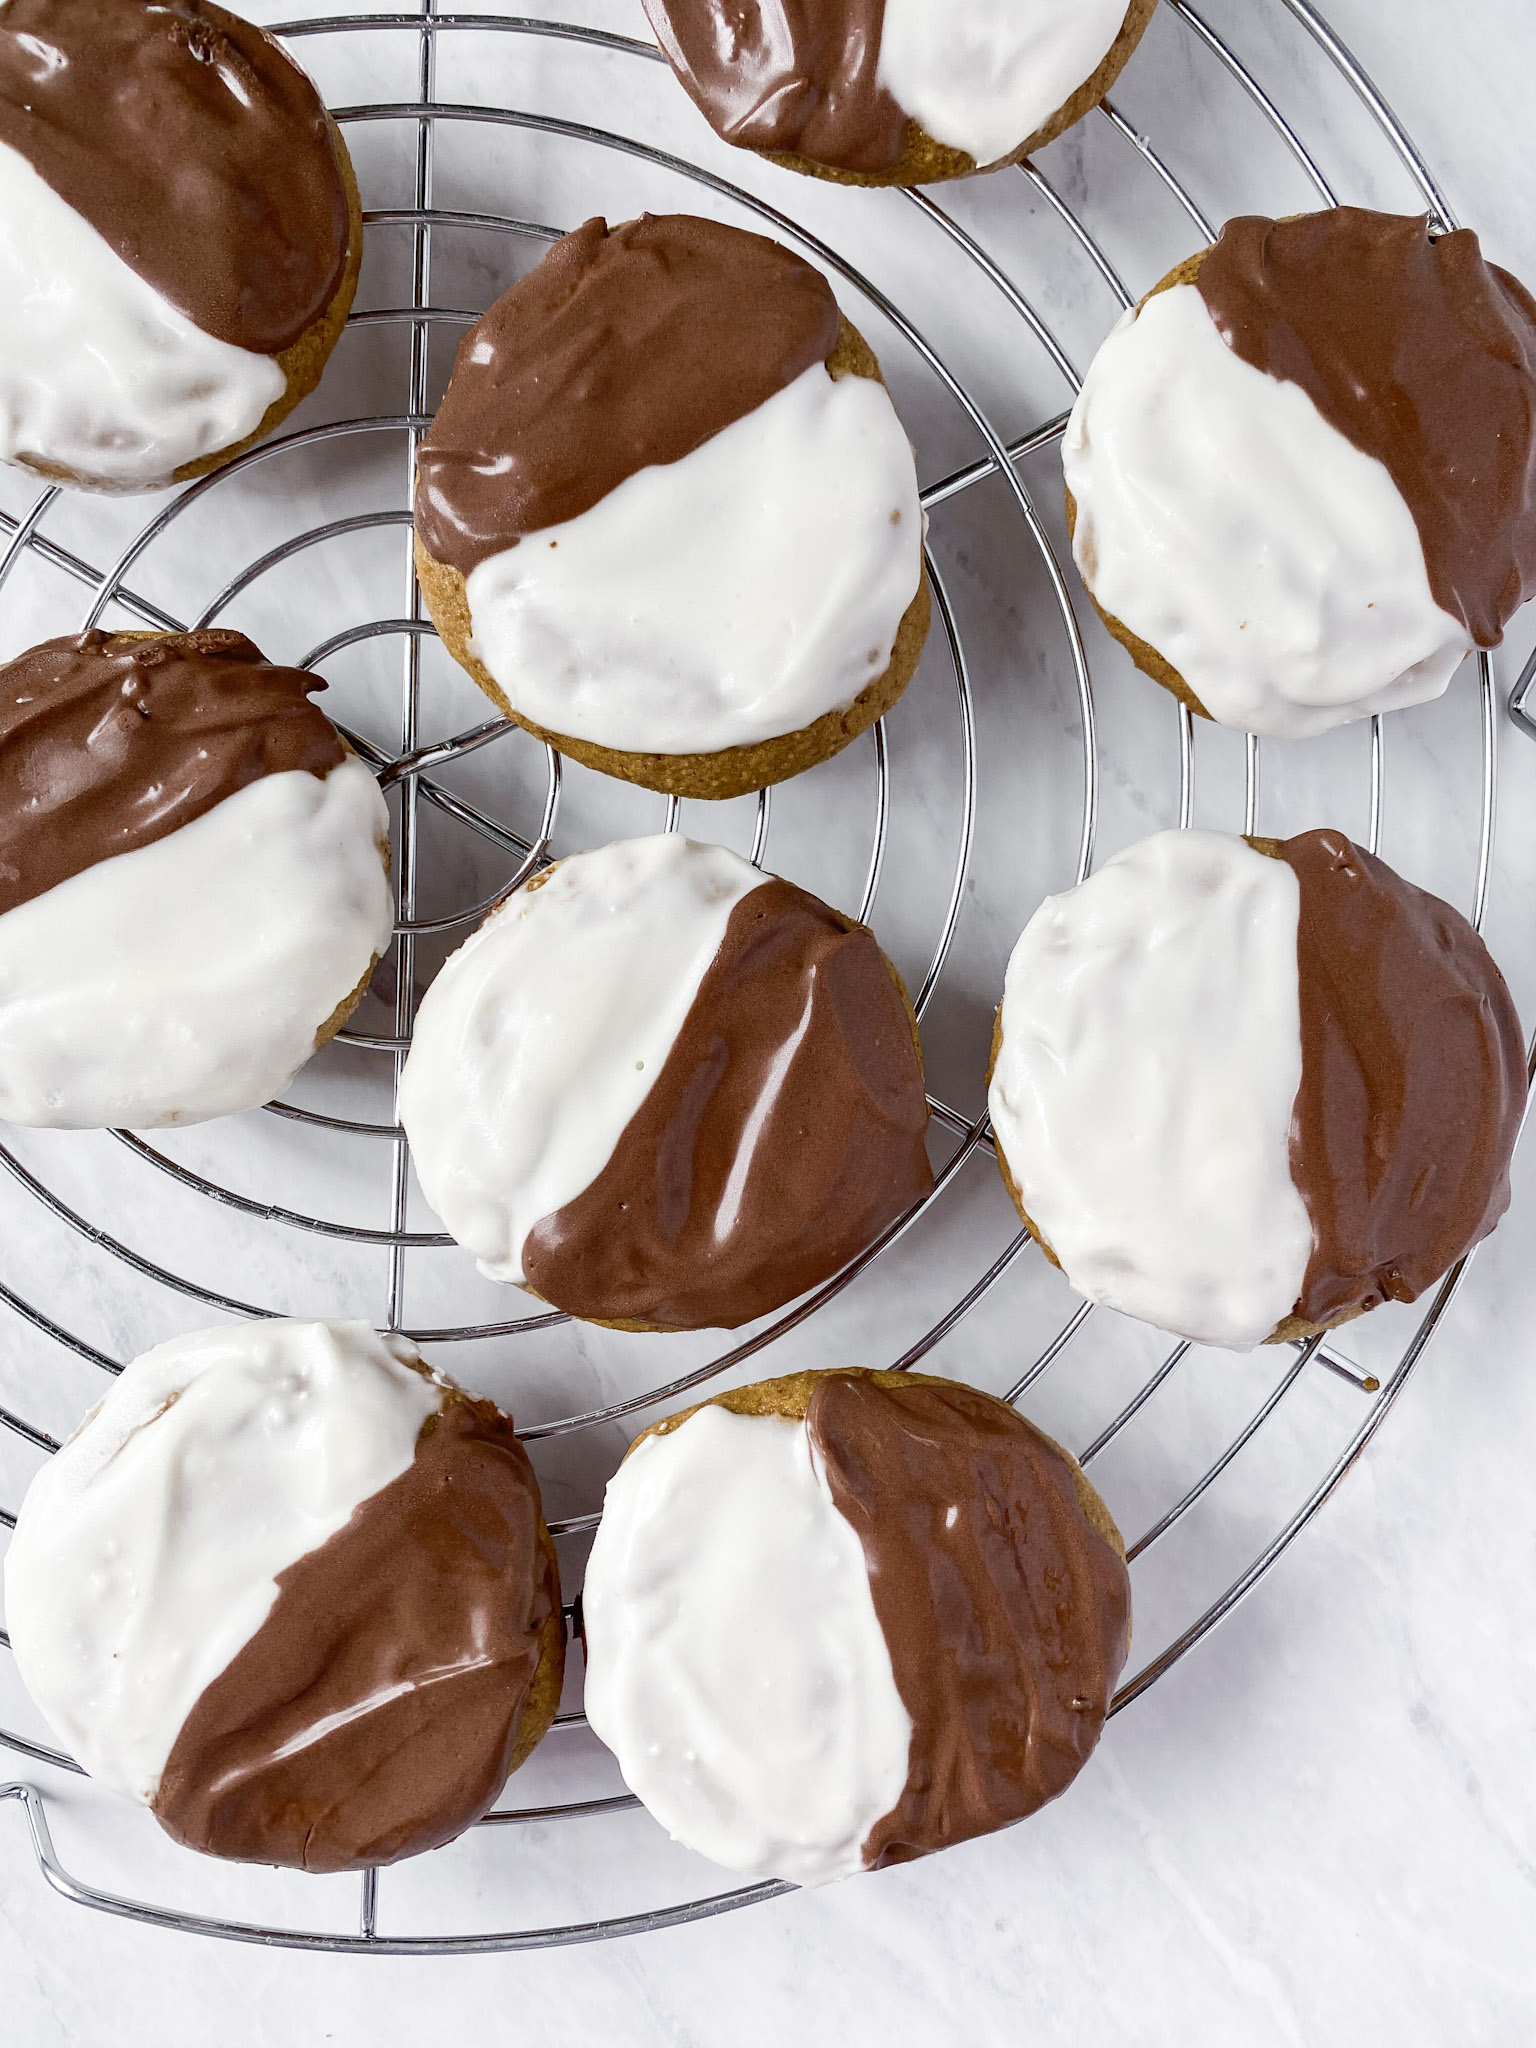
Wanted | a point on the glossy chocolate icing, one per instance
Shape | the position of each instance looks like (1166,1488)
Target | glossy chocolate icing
(193,145)
(1412,1080)
(1422,355)
(107,744)
(1007,1611)
(624,348)
(798,75)
(783,1133)
(375,1712)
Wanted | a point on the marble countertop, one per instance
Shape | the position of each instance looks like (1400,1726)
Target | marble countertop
(1320,1825)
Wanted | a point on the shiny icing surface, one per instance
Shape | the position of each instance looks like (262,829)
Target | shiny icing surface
(773,74)
(540,1038)
(735,1662)
(107,744)
(838,80)
(148,1550)
(100,374)
(375,1712)
(783,1132)
(625,348)
(1227,523)
(1149,1062)
(1005,1605)
(188,978)
(1412,1080)
(195,149)
(735,595)
(983,75)
(1423,356)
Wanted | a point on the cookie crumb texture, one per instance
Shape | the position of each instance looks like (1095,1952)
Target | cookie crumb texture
(667,517)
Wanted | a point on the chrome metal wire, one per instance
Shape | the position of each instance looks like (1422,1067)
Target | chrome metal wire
(409,770)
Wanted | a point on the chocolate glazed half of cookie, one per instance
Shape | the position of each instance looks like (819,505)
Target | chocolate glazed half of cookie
(783,1133)
(1413,1081)
(1001,1589)
(1423,355)
(407,1667)
(194,146)
(109,742)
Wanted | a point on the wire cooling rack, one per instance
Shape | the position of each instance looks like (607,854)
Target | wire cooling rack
(983,790)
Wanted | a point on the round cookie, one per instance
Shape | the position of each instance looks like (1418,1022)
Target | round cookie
(180,239)
(293,1591)
(664,1090)
(666,515)
(843,1619)
(896,92)
(1248,1089)
(194,879)
(1301,475)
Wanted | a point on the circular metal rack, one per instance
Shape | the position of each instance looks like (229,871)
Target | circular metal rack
(156,559)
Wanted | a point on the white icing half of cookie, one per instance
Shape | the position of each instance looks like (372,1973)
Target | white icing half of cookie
(99,374)
(1142,1097)
(983,75)
(541,1037)
(188,979)
(735,1663)
(147,1550)
(733,596)
(1274,565)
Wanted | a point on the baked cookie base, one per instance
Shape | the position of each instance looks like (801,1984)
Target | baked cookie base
(924,161)
(301,364)
(543,1701)
(733,771)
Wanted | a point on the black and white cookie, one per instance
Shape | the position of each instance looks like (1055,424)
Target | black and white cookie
(663,1089)
(180,236)
(294,1592)
(194,879)
(844,1619)
(896,92)
(1249,1089)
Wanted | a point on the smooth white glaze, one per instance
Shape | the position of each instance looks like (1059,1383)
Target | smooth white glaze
(1150,1058)
(735,1664)
(1219,516)
(147,1550)
(733,596)
(983,75)
(188,978)
(99,374)
(541,1037)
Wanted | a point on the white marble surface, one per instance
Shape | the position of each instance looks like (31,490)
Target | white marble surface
(1321,1826)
